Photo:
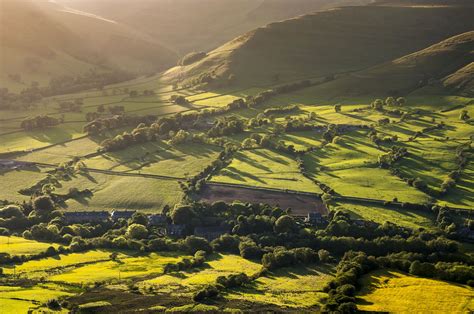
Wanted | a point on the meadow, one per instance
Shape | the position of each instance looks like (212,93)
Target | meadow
(265,168)
(395,292)
(186,282)
(20,246)
(297,287)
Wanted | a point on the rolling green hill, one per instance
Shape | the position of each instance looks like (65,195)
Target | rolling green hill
(329,42)
(445,66)
(41,40)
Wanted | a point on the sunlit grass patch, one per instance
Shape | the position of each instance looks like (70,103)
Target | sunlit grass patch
(122,192)
(126,267)
(53,265)
(395,292)
(21,300)
(21,246)
(265,168)
(296,287)
(217,265)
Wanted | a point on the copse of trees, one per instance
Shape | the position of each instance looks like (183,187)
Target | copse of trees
(341,290)
(191,58)
(39,122)
(282,257)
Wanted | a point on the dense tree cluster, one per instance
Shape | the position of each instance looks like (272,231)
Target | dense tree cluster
(71,106)
(396,153)
(39,122)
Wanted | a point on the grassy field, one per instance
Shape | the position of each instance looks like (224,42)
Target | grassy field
(125,267)
(21,246)
(297,287)
(158,158)
(265,168)
(379,214)
(23,300)
(40,138)
(188,281)
(122,192)
(17,180)
(350,167)
(46,267)
(394,292)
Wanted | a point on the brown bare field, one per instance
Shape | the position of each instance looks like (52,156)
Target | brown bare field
(301,205)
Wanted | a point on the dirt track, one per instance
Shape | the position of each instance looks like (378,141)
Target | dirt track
(301,205)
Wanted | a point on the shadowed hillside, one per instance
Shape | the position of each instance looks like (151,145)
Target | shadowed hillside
(329,42)
(41,40)
(190,25)
(445,64)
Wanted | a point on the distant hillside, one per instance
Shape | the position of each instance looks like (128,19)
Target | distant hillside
(448,64)
(462,81)
(329,42)
(40,40)
(195,25)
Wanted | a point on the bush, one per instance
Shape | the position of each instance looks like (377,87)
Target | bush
(208,292)
(136,231)
(194,244)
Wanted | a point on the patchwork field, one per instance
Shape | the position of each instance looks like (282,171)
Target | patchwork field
(188,281)
(394,292)
(265,168)
(122,192)
(21,246)
(299,287)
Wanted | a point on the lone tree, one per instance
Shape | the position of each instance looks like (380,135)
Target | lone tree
(390,101)
(401,101)
(464,115)
(43,203)
(337,107)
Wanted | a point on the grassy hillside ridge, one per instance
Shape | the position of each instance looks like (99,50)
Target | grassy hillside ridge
(444,64)
(55,41)
(317,44)
(461,81)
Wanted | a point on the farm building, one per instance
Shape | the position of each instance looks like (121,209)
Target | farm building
(157,219)
(210,233)
(466,234)
(365,223)
(122,214)
(175,230)
(90,216)
(315,219)
(8,164)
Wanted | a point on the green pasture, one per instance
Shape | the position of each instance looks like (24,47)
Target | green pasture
(20,246)
(380,214)
(122,192)
(462,195)
(49,266)
(302,140)
(265,168)
(350,167)
(395,292)
(296,287)
(15,300)
(430,161)
(63,152)
(158,158)
(26,140)
(15,180)
(123,268)
(217,265)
